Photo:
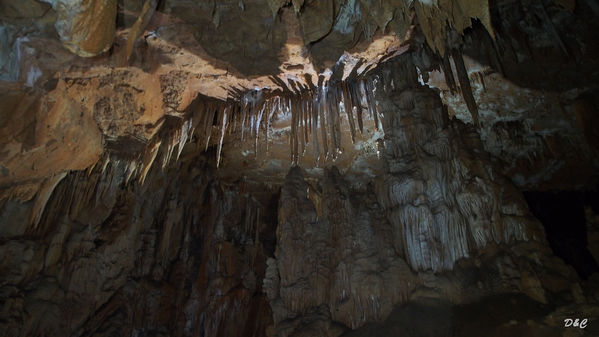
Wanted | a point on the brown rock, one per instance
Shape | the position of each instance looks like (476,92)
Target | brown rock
(86,28)
(316,19)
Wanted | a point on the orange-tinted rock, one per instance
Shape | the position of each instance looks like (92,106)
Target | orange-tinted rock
(115,221)
(54,133)
(86,28)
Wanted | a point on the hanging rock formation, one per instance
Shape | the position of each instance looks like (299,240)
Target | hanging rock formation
(86,28)
(440,202)
(251,168)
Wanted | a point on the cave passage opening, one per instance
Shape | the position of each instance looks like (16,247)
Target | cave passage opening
(562,214)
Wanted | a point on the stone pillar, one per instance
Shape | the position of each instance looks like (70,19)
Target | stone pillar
(443,197)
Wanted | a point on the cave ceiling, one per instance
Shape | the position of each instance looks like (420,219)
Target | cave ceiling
(300,168)
(86,80)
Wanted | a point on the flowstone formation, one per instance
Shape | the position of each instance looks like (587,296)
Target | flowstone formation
(256,168)
(405,237)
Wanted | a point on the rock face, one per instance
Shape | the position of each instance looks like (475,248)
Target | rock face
(349,256)
(163,259)
(298,168)
(185,253)
(86,28)
(442,188)
(347,271)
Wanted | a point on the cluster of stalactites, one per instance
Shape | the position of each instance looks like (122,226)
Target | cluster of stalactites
(316,116)
(316,112)
(454,51)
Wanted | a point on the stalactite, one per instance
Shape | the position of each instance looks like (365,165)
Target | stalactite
(333,112)
(305,114)
(448,73)
(489,46)
(481,77)
(139,26)
(223,128)
(208,125)
(149,157)
(170,146)
(551,27)
(269,108)
(369,93)
(131,169)
(184,135)
(337,124)
(106,162)
(465,86)
(357,103)
(244,111)
(323,123)
(365,93)
(314,123)
(257,127)
(308,103)
(43,196)
(347,103)
(301,126)
(294,126)
(313,110)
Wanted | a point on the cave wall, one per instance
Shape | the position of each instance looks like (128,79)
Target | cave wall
(442,224)
(182,252)
(94,244)
(179,255)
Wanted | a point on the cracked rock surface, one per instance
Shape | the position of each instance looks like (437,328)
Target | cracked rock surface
(252,168)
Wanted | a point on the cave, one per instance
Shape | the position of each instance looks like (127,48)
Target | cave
(299,168)
(564,219)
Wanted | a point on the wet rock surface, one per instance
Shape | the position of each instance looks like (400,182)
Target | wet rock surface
(431,226)
(298,168)
(186,253)
(111,258)
(86,28)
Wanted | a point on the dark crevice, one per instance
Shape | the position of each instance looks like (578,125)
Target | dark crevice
(268,236)
(562,214)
